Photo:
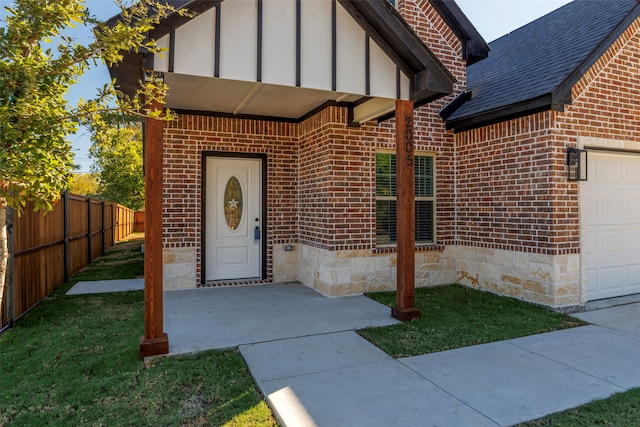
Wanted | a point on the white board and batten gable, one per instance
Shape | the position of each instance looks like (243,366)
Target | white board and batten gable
(287,58)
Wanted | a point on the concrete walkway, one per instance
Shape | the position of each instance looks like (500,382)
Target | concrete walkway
(106,286)
(342,379)
(315,370)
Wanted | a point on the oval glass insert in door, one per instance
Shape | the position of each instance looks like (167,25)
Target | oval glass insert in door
(233,203)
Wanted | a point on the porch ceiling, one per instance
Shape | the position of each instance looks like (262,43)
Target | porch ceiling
(246,98)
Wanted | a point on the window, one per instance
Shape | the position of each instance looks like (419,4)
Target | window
(386,197)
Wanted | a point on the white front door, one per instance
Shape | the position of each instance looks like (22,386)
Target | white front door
(233,218)
(611,225)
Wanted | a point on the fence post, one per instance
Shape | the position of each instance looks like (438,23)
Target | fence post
(102,252)
(113,223)
(89,256)
(67,261)
(10,277)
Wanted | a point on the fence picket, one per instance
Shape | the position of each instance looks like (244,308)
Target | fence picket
(44,254)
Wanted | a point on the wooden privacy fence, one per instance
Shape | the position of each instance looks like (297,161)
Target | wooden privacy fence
(138,226)
(46,249)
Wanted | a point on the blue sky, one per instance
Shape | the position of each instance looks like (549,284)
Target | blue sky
(492,18)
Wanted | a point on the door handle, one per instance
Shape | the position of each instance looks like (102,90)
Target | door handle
(256,233)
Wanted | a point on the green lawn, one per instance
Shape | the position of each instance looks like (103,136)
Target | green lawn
(73,360)
(124,260)
(455,316)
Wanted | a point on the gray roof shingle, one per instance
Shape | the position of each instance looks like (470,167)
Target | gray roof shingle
(537,59)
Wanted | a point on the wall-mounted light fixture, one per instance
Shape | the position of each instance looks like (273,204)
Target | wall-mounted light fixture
(577,163)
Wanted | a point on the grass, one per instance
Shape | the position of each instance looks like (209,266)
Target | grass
(124,260)
(455,316)
(73,360)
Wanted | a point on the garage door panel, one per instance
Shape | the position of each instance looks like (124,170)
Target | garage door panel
(590,243)
(608,170)
(589,206)
(610,207)
(610,242)
(632,240)
(610,216)
(632,172)
(611,277)
(632,206)
(621,242)
(633,276)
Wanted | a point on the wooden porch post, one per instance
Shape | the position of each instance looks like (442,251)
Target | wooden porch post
(154,341)
(405,305)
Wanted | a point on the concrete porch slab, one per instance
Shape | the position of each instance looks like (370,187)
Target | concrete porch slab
(226,317)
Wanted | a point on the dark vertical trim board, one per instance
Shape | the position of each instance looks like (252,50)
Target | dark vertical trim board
(367,65)
(298,42)
(259,43)
(148,63)
(216,60)
(172,51)
(398,84)
(334,46)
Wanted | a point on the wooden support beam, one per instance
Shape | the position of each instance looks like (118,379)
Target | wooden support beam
(154,341)
(405,304)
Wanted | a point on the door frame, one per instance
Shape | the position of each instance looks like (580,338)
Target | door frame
(203,208)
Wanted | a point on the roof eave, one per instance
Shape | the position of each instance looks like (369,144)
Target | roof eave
(175,20)
(507,112)
(475,47)
(128,73)
(384,24)
(387,27)
(563,90)
(555,100)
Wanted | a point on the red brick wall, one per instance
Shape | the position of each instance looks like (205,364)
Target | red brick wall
(607,98)
(321,173)
(512,178)
(506,178)
(336,184)
(185,141)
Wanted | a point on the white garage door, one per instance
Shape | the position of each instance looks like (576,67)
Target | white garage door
(610,216)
